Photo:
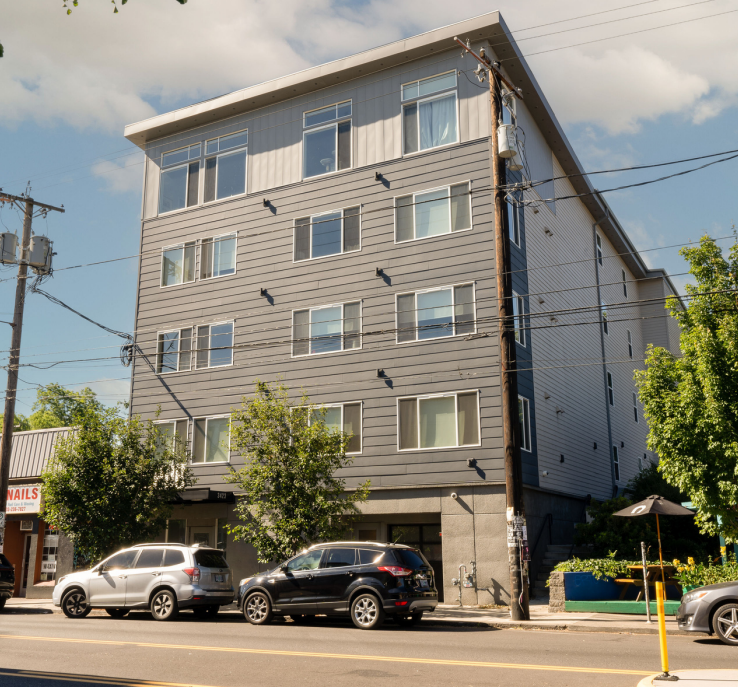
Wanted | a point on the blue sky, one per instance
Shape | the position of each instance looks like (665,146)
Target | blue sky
(69,85)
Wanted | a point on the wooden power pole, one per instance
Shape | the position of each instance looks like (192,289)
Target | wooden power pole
(6,441)
(516,530)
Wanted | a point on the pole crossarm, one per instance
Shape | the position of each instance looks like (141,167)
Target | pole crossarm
(518,92)
(21,199)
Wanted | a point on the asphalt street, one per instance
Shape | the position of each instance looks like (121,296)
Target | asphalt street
(44,650)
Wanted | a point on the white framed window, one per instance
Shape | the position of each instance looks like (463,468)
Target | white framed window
(513,223)
(518,308)
(429,122)
(435,313)
(214,345)
(635,406)
(616,462)
(178,264)
(179,179)
(327,233)
(326,140)
(171,429)
(326,329)
(603,310)
(438,421)
(211,439)
(433,213)
(625,284)
(225,166)
(347,418)
(218,256)
(610,392)
(630,345)
(599,248)
(174,351)
(526,442)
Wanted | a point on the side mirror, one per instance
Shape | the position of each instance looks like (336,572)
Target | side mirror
(283,568)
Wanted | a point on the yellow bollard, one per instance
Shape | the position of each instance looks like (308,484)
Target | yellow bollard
(660,594)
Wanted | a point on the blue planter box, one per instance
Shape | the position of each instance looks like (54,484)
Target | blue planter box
(582,586)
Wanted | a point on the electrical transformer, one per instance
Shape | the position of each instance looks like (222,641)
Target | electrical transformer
(40,254)
(8,249)
(506,142)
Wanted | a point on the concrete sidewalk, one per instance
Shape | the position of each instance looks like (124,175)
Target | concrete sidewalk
(695,678)
(452,615)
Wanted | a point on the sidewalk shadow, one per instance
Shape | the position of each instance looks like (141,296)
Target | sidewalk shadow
(37,678)
(20,610)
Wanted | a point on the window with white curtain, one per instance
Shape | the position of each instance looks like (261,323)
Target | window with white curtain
(434,313)
(429,122)
(218,256)
(439,421)
(433,213)
(326,329)
(211,437)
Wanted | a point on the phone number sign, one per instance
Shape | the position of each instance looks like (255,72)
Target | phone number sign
(24,498)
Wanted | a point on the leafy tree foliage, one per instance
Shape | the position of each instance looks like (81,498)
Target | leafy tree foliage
(112,481)
(691,401)
(291,497)
(57,406)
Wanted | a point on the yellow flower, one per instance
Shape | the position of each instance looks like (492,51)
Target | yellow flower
(690,561)
(676,562)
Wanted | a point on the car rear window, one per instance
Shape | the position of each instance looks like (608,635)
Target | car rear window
(412,558)
(173,557)
(210,559)
(370,557)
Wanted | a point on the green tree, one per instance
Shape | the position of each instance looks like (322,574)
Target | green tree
(112,481)
(290,497)
(57,406)
(691,400)
(21,423)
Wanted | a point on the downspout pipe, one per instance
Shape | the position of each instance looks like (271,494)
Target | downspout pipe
(602,346)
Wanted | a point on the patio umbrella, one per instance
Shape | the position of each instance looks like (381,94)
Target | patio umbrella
(656,505)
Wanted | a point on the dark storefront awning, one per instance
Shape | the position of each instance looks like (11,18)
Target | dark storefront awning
(205,496)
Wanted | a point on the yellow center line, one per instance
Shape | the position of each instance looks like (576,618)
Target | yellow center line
(93,679)
(351,657)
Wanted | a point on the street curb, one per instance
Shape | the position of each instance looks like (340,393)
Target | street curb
(557,628)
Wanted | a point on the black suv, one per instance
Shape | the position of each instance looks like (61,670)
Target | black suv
(7,580)
(365,580)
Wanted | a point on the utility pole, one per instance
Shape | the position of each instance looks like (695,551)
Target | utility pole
(6,441)
(517,531)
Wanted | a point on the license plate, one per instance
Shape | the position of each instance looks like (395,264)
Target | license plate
(219,578)
(424,584)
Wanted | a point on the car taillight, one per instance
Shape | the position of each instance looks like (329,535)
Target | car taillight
(193,574)
(395,570)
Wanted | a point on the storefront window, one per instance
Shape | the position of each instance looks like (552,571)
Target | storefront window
(176,532)
(50,549)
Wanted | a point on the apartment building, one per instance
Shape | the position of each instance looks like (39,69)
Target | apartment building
(334,228)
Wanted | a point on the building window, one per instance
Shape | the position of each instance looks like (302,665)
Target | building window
(439,421)
(49,553)
(433,213)
(327,329)
(429,122)
(610,393)
(603,310)
(526,443)
(170,429)
(625,284)
(513,223)
(214,345)
(328,233)
(434,313)
(218,256)
(635,407)
(211,440)
(345,417)
(599,249)
(616,462)
(174,351)
(326,146)
(518,307)
(176,534)
(225,166)
(630,345)
(178,264)
(179,181)
(642,462)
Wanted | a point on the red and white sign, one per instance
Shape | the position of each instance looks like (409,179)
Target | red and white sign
(24,498)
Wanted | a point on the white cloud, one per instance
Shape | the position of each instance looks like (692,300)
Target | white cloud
(97,70)
(123,178)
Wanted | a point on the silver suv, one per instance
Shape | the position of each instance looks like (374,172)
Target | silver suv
(163,578)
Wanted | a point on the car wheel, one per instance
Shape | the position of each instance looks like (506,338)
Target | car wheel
(74,604)
(408,620)
(2,603)
(725,624)
(367,612)
(164,605)
(257,609)
(117,612)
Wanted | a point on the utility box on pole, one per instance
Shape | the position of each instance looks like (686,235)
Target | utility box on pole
(8,249)
(40,254)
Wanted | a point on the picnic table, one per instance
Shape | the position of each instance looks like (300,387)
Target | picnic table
(653,575)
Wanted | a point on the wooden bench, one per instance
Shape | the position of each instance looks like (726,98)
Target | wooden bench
(625,582)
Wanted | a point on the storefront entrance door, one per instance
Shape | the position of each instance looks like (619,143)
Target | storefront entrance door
(26,560)
(202,536)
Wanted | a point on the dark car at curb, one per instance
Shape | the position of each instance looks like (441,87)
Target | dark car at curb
(712,609)
(7,580)
(365,581)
